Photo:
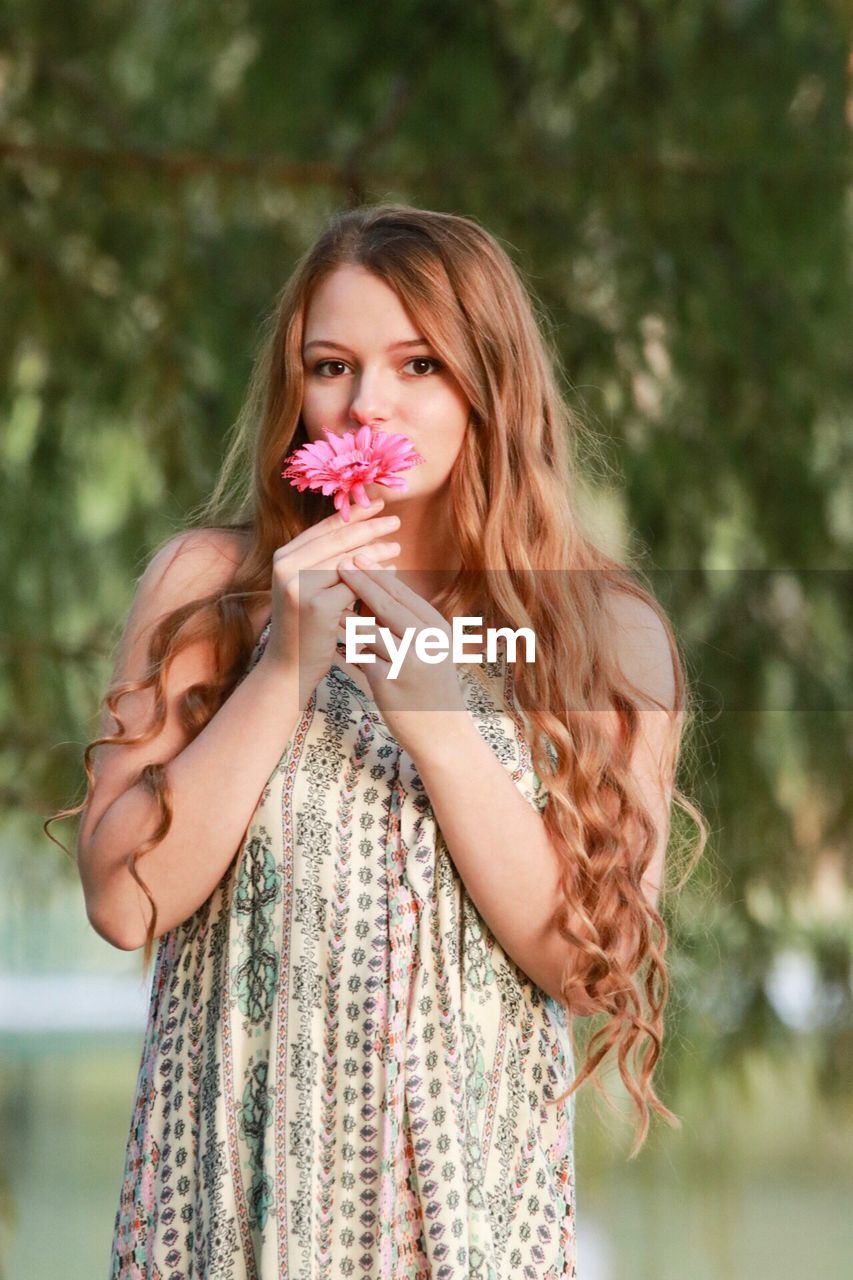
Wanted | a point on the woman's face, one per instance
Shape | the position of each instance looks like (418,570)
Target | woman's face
(366,364)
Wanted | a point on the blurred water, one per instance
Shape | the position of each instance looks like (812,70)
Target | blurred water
(756,1186)
(37,1002)
(65,1104)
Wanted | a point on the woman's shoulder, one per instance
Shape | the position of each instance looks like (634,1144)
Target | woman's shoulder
(200,554)
(642,644)
(190,564)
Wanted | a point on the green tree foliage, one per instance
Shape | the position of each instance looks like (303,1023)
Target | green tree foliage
(674,182)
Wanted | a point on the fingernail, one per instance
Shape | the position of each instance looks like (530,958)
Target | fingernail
(367,562)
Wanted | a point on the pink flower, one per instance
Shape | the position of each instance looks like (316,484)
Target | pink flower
(343,465)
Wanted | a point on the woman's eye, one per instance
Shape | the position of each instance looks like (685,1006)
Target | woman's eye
(424,360)
(330,368)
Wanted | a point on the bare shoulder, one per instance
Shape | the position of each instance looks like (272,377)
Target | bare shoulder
(642,645)
(188,566)
(204,557)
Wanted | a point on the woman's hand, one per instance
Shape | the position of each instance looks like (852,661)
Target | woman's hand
(419,686)
(306,614)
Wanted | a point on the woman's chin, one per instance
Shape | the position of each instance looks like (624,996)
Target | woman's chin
(391,496)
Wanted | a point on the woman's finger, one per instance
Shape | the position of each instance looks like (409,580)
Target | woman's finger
(342,538)
(326,571)
(372,539)
(379,600)
(335,521)
(406,597)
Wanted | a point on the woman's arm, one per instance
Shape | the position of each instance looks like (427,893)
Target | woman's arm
(498,841)
(215,780)
(215,784)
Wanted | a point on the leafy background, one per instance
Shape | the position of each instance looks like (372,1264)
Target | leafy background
(673,180)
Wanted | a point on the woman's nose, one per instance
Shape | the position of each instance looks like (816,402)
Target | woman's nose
(368,405)
(366,418)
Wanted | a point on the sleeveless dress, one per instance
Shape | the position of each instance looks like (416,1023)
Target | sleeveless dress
(343,1074)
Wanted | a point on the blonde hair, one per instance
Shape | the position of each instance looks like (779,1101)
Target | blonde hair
(513,496)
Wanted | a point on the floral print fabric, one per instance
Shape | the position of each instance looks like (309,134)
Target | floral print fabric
(343,1075)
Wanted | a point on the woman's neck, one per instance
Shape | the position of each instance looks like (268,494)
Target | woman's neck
(429,555)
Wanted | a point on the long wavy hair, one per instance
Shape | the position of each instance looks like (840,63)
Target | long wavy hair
(527,560)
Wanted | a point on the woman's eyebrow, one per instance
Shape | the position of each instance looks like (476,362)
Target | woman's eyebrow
(324,342)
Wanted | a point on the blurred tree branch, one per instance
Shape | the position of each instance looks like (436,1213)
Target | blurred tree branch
(828,166)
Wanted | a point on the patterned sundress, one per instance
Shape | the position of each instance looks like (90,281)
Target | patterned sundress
(343,1074)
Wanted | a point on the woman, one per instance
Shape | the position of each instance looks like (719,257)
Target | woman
(379,903)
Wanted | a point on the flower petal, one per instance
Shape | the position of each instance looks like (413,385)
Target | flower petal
(342,505)
(344,464)
(336,444)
